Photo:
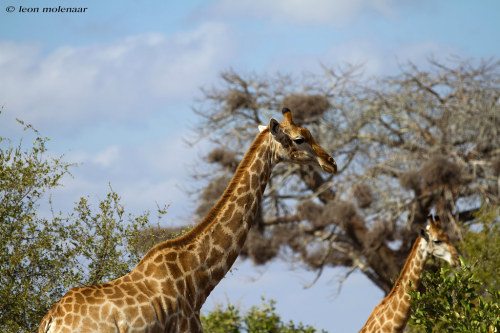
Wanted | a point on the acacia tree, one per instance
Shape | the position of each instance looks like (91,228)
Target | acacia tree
(422,141)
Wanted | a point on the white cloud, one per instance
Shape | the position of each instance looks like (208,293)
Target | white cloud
(107,157)
(76,85)
(337,12)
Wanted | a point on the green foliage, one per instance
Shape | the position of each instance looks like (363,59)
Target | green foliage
(466,299)
(223,321)
(451,303)
(42,257)
(259,319)
(483,248)
(105,240)
(30,259)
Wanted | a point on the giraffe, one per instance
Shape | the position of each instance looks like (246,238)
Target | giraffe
(167,288)
(393,312)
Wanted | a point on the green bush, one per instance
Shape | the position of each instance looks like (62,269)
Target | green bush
(481,246)
(451,303)
(259,319)
(466,299)
(223,321)
(41,257)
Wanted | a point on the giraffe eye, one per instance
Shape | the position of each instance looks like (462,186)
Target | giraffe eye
(437,242)
(299,141)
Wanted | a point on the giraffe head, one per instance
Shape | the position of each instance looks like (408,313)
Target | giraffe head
(438,242)
(296,144)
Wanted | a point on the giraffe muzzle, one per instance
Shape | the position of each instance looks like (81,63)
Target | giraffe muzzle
(331,167)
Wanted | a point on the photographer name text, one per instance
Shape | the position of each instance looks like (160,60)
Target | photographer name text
(58,9)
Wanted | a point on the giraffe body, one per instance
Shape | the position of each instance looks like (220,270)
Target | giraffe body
(166,290)
(393,312)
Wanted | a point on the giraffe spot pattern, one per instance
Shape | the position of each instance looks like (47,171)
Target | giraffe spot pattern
(223,239)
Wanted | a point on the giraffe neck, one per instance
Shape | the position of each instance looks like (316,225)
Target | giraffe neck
(411,272)
(393,312)
(198,260)
(414,265)
(224,230)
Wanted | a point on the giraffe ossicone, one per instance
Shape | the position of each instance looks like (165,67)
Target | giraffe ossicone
(167,288)
(393,312)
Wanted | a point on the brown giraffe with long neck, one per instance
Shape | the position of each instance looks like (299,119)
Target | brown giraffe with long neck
(393,312)
(166,290)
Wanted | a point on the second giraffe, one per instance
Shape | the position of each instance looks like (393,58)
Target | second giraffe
(393,312)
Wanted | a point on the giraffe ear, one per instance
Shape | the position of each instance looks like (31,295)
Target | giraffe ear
(437,221)
(274,127)
(434,221)
(424,235)
(262,127)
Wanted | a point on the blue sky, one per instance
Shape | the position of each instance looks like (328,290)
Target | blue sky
(122,77)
